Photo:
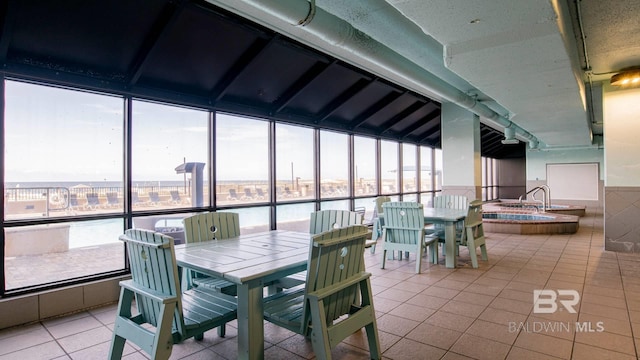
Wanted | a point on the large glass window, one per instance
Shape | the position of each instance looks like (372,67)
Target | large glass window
(438,174)
(294,217)
(242,160)
(334,164)
(365,166)
(409,168)
(63,157)
(294,163)
(426,169)
(63,152)
(389,167)
(165,138)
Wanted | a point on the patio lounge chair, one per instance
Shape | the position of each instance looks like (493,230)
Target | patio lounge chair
(260,195)
(93,202)
(135,199)
(175,197)
(232,195)
(112,200)
(248,195)
(73,204)
(166,314)
(154,198)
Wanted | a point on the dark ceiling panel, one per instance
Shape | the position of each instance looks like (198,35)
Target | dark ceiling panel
(191,53)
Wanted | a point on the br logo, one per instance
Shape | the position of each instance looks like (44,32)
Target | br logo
(546,301)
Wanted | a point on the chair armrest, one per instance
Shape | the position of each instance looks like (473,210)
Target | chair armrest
(152,294)
(321,294)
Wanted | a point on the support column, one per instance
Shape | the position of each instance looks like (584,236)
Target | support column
(622,170)
(461,160)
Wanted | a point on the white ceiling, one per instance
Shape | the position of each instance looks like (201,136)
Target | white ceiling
(523,59)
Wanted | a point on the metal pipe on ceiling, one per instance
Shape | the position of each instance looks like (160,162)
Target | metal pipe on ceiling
(340,34)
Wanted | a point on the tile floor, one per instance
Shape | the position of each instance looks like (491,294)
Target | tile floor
(462,313)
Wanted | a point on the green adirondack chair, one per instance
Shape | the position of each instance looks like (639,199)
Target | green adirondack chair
(324,220)
(321,221)
(449,202)
(210,226)
(166,315)
(378,222)
(404,231)
(473,235)
(337,287)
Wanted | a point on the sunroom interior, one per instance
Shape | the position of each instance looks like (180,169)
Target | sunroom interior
(160,109)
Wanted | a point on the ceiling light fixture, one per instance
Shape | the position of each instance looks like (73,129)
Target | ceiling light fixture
(510,136)
(627,77)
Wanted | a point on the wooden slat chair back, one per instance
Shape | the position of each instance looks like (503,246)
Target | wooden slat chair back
(210,226)
(324,220)
(474,233)
(173,315)
(337,287)
(321,221)
(403,230)
(377,222)
(449,202)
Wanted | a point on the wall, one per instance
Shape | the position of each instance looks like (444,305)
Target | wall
(49,304)
(621,110)
(512,178)
(537,168)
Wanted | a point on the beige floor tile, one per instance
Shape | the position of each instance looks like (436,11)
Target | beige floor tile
(396,295)
(396,325)
(407,349)
(587,352)
(413,312)
(463,308)
(620,327)
(480,348)
(434,335)
(492,331)
(518,353)
(473,298)
(607,340)
(548,345)
(451,284)
(441,292)
(427,301)
(604,311)
(516,306)
(450,321)
(501,317)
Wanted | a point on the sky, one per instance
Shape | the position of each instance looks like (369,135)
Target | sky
(55,134)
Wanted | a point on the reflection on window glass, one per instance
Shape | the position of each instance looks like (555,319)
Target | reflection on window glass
(294,163)
(426,174)
(368,204)
(335,205)
(63,152)
(438,174)
(168,224)
(164,138)
(410,197)
(409,168)
(334,164)
(365,166)
(389,167)
(426,199)
(253,219)
(242,160)
(294,217)
(42,254)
